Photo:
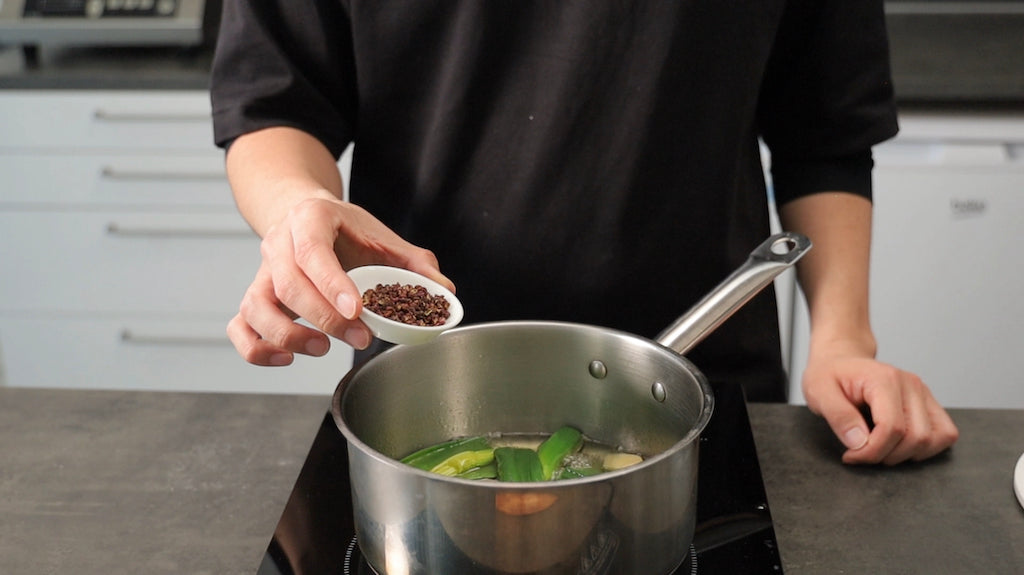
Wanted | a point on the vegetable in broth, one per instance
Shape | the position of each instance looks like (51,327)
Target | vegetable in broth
(565,454)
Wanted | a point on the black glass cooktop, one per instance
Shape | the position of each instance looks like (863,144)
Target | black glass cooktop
(734,535)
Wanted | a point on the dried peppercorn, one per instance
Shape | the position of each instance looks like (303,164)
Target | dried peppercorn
(408,304)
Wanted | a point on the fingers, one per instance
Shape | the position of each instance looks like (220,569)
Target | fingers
(253,348)
(842,415)
(908,424)
(944,431)
(312,251)
(886,404)
(913,422)
(294,289)
(264,334)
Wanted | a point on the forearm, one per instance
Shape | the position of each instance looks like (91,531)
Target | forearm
(272,170)
(841,377)
(834,274)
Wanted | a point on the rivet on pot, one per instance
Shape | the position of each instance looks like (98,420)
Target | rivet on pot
(658,391)
(598,369)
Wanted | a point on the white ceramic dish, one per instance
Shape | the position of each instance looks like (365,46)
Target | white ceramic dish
(1018,480)
(366,277)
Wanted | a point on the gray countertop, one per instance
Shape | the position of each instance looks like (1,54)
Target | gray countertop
(113,482)
(956,514)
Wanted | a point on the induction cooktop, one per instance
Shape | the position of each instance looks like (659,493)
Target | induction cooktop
(734,534)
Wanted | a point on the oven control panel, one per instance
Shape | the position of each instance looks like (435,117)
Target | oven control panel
(100,8)
(101,22)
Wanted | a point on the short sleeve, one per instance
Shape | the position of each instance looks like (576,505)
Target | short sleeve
(827,97)
(284,63)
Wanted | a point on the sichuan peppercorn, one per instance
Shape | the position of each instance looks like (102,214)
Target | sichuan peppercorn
(408,304)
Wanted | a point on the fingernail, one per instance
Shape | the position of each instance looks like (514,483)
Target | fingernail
(317,347)
(347,306)
(855,438)
(357,337)
(281,359)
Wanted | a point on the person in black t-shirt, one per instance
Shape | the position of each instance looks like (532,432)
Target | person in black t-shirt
(596,162)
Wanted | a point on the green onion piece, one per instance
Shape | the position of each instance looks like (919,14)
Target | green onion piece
(518,464)
(463,461)
(489,471)
(429,457)
(554,449)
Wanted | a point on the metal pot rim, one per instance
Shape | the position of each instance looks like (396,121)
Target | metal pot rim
(691,436)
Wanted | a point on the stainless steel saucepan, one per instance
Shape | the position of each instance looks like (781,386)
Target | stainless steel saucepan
(533,377)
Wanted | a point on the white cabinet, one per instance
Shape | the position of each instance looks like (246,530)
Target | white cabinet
(947,277)
(122,255)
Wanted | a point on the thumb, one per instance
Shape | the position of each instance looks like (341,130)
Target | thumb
(842,416)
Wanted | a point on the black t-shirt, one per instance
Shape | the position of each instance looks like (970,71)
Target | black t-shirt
(588,161)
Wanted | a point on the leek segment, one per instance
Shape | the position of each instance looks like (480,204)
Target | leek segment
(554,449)
(464,461)
(518,464)
(430,457)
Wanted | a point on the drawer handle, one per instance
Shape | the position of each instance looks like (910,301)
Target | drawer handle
(121,230)
(103,115)
(112,173)
(131,337)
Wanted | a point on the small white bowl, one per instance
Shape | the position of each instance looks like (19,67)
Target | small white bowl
(367,277)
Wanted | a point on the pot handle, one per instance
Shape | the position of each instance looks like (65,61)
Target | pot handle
(774,256)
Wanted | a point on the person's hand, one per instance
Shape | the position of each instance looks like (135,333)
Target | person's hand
(907,421)
(302,276)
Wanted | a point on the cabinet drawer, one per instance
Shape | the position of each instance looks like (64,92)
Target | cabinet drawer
(100,119)
(166,355)
(98,179)
(125,261)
